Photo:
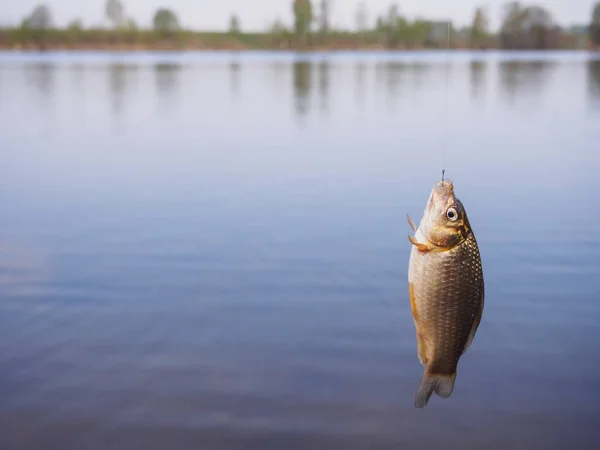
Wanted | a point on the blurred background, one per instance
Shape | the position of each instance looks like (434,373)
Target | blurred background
(203,235)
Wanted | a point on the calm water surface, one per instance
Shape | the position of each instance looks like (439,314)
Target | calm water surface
(210,251)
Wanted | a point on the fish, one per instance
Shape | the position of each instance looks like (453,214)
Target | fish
(446,290)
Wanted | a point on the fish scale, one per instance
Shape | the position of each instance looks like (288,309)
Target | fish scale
(446,291)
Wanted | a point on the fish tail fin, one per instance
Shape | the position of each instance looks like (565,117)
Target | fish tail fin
(441,384)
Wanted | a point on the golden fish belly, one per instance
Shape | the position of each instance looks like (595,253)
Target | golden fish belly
(446,294)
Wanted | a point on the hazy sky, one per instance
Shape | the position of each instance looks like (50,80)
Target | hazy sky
(257,14)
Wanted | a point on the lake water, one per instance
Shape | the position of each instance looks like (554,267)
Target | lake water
(209,251)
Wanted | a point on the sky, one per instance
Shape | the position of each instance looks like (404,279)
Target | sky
(257,15)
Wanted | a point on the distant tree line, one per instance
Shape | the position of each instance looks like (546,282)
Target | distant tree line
(522,27)
(164,19)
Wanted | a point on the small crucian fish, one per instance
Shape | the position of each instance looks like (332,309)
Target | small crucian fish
(445,285)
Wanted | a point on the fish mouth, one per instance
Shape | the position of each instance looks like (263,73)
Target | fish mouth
(444,185)
(442,194)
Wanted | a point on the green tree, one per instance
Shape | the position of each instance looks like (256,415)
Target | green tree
(479,29)
(303,16)
(527,28)
(512,29)
(420,32)
(402,31)
(393,16)
(538,24)
(595,25)
(115,12)
(74,29)
(39,19)
(234,25)
(75,25)
(277,28)
(324,16)
(165,20)
(361,18)
(130,24)
(280,35)
(391,24)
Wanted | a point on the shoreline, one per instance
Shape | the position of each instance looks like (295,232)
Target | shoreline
(241,48)
(53,40)
(207,49)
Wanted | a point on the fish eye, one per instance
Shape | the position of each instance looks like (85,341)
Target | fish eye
(452,214)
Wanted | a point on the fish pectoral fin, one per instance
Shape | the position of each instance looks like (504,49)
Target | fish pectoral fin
(411,223)
(423,248)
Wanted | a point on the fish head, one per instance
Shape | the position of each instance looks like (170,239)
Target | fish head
(446,222)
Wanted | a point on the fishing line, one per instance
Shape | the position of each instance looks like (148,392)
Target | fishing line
(445,143)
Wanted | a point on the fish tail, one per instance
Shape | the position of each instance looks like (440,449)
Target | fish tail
(441,384)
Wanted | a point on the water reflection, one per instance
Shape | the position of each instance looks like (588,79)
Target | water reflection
(389,76)
(360,70)
(78,75)
(518,78)
(235,69)
(302,87)
(242,294)
(419,70)
(166,77)
(42,78)
(324,68)
(117,87)
(394,77)
(593,83)
(278,69)
(478,79)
